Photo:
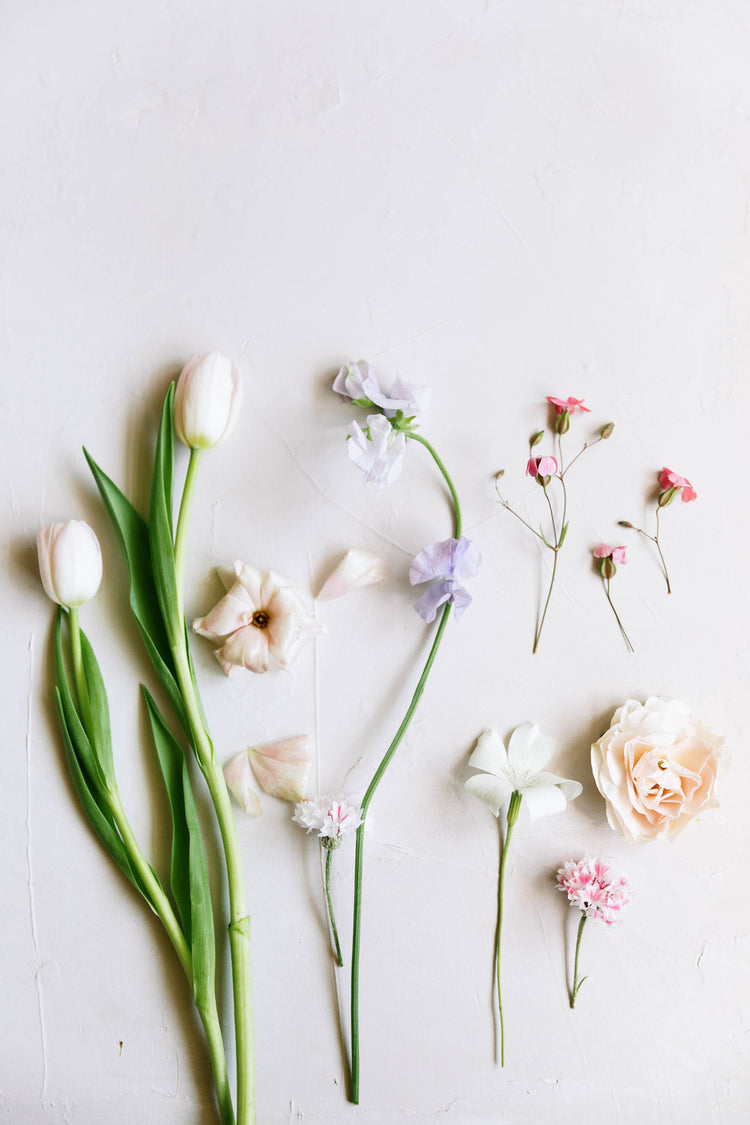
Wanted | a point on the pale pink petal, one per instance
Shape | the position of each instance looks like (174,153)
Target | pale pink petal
(603,551)
(232,612)
(239,780)
(282,769)
(247,648)
(619,556)
(356,570)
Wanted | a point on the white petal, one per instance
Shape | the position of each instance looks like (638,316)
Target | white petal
(529,750)
(356,570)
(543,800)
(493,791)
(239,781)
(569,789)
(489,754)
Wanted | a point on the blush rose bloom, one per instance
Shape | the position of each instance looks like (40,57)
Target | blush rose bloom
(656,768)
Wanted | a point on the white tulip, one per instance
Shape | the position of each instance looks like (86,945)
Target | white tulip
(206,400)
(70,562)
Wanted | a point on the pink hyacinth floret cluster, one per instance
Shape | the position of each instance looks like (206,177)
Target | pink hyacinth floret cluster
(617,554)
(668,479)
(568,405)
(591,887)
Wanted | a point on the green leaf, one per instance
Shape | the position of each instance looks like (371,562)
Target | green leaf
(190,884)
(85,752)
(563,533)
(100,736)
(161,539)
(546,544)
(97,814)
(132,532)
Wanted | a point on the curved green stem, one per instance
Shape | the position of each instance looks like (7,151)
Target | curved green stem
(576,982)
(661,556)
(331,915)
(446,477)
(239,922)
(540,626)
(513,810)
(377,777)
(625,636)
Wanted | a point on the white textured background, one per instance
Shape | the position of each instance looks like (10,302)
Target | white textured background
(504,200)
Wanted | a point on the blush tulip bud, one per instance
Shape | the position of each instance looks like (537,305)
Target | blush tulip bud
(206,400)
(70,562)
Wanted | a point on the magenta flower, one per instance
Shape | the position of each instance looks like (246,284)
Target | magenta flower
(445,566)
(591,887)
(604,551)
(541,467)
(669,480)
(568,405)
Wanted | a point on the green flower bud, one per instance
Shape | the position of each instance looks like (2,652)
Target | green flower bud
(536,438)
(666,498)
(562,425)
(609,570)
(625,523)
(607,431)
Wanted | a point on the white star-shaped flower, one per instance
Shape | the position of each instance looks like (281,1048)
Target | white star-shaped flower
(519,768)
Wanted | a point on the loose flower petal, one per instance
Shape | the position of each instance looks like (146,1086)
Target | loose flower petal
(356,570)
(282,769)
(239,780)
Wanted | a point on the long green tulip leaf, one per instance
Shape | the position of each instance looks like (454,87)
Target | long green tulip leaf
(161,540)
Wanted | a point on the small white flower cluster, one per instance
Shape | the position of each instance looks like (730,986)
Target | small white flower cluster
(331,817)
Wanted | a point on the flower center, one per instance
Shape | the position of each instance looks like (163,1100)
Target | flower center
(260,619)
(661,764)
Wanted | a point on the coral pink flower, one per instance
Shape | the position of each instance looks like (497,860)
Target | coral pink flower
(591,887)
(568,405)
(668,479)
(541,467)
(604,551)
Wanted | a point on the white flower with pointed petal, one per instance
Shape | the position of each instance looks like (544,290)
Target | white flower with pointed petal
(519,769)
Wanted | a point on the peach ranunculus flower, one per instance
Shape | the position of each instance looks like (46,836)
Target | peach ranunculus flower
(656,768)
(260,624)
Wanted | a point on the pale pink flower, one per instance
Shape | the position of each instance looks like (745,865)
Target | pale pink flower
(282,769)
(668,479)
(260,624)
(354,571)
(541,467)
(568,405)
(591,887)
(617,554)
(239,780)
(333,818)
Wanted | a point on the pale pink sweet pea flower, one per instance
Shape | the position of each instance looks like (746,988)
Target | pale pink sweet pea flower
(617,554)
(668,479)
(541,467)
(355,570)
(70,562)
(282,769)
(207,400)
(260,624)
(239,781)
(568,405)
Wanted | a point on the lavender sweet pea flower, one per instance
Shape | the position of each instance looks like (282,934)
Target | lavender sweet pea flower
(445,565)
(379,456)
(358,383)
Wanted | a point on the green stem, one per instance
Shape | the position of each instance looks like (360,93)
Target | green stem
(625,636)
(331,915)
(157,898)
(239,921)
(377,777)
(513,810)
(446,477)
(540,626)
(180,541)
(661,556)
(576,982)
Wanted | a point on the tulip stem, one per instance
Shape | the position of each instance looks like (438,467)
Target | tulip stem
(331,915)
(180,541)
(513,809)
(576,982)
(239,923)
(377,778)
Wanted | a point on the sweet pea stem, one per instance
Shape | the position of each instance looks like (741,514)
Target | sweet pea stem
(331,915)
(625,636)
(239,923)
(377,778)
(576,982)
(156,897)
(513,810)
